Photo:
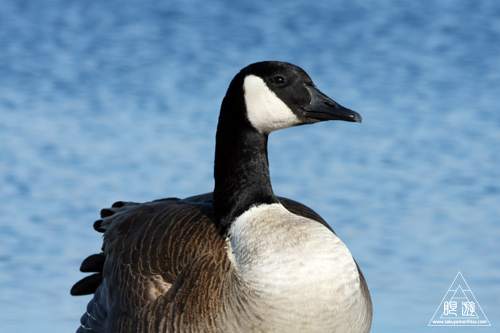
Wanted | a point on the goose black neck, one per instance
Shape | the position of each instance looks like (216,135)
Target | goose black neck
(241,170)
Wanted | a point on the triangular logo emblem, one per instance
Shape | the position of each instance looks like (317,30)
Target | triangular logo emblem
(459,307)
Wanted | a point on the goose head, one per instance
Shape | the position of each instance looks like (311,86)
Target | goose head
(279,95)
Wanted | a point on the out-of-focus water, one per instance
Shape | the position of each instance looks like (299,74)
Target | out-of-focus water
(111,100)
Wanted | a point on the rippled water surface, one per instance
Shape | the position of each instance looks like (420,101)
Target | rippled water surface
(112,100)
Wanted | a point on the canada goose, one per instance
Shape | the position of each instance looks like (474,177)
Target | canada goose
(240,259)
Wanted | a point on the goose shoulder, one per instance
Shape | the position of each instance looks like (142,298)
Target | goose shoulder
(157,254)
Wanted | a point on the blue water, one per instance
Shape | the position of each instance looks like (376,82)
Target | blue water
(118,100)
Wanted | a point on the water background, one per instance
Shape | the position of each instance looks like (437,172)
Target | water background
(118,100)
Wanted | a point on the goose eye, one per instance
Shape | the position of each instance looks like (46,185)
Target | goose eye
(279,80)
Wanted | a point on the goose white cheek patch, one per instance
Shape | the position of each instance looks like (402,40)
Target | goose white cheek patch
(266,111)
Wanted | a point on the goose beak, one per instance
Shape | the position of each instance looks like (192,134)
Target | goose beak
(323,107)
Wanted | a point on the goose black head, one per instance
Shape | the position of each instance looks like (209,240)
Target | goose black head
(278,95)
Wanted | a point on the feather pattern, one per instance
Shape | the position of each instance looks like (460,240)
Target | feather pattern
(158,256)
